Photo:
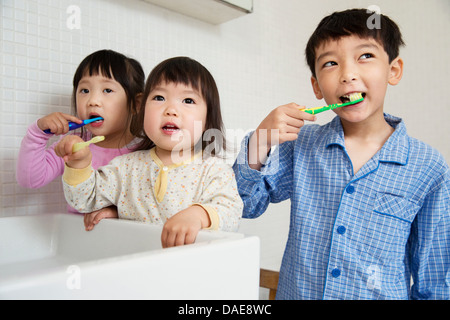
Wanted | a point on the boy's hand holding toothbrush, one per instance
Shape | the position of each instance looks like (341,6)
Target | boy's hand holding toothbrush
(281,125)
(78,160)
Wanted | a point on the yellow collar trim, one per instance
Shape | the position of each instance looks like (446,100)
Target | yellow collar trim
(161,181)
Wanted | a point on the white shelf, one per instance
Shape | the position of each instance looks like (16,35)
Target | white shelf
(211,11)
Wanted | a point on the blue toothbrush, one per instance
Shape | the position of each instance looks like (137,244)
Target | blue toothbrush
(74,125)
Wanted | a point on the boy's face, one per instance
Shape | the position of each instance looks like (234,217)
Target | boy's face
(353,64)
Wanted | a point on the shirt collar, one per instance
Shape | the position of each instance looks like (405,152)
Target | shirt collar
(395,149)
(161,165)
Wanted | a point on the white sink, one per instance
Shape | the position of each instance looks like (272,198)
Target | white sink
(52,257)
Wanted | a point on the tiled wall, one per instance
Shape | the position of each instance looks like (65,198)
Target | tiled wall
(257,61)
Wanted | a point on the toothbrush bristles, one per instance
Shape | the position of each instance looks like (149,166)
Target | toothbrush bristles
(355,96)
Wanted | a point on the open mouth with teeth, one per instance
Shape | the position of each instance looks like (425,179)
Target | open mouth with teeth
(170,129)
(97,123)
(352,96)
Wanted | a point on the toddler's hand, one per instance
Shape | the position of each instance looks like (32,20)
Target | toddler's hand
(57,122)
(281,125)
(93,218)
(183,227)
(78,160)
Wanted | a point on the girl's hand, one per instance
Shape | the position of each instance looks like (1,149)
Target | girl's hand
(93,218)
(78,160)
(183,227)
(57,122)
(281,125)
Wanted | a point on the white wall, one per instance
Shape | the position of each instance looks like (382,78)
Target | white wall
(257,61)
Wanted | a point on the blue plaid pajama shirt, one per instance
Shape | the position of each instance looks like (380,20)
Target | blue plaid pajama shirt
(356,236)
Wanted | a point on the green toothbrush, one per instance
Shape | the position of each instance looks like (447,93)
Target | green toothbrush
(354,98)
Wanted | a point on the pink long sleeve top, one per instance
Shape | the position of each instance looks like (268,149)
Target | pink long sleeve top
(38,165)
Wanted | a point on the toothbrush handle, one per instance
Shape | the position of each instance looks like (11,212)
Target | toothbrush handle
(72,126)
(329,107)
(317,110)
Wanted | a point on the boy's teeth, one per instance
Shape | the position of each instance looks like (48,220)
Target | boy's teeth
(353,96)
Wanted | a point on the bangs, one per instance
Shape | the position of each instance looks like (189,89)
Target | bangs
(98,69)
(105,63)
(338,26)
(178,71)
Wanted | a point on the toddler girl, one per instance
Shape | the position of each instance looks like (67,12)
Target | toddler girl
(105,84)
(169,180)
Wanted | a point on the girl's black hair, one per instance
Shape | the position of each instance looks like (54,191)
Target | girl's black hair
(187,71)
(360,22)
(126,71)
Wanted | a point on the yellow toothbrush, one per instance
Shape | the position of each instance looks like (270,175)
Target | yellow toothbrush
(80,145)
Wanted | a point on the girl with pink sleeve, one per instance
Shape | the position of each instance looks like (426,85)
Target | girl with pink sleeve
(106,84)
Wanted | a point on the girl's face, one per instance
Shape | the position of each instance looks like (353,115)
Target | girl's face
(175,116)
(98,96)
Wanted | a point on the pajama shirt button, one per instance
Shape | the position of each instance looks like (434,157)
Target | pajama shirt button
(341,229)
(336,272)
(350,189)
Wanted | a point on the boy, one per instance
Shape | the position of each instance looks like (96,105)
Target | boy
(370,206)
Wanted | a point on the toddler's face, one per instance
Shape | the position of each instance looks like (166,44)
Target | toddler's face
(99,96)
(175,116)
(353,64)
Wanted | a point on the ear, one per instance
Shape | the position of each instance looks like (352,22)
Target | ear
(316,88)
(396,71)
(138,101)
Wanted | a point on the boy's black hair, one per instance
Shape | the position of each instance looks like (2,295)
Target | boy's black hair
(126,71)
(358,22)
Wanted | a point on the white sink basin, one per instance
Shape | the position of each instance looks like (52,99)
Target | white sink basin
(53,257)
